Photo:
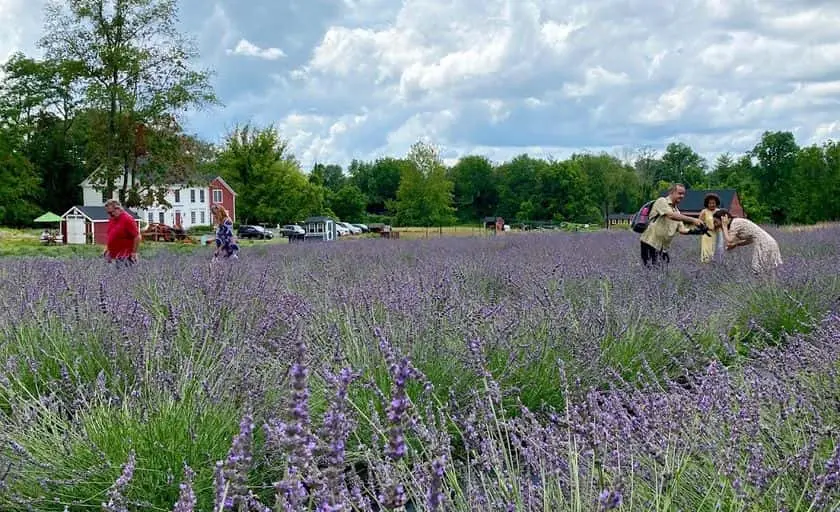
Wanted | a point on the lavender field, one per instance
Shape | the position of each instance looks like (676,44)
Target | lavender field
(525,372)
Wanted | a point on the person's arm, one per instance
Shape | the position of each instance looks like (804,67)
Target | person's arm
(739,243)
(135,250)
(662,209)
(732,241)
(683,218)
(133,232)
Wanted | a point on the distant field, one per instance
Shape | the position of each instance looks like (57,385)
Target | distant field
(25,242)
(810,227)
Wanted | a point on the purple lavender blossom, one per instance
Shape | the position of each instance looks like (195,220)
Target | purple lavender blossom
(609,499)
(186,499)
(400,373)
(116,497)
(232,475)
(435,495)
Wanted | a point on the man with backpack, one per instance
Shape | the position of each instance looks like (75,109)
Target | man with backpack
(660,222)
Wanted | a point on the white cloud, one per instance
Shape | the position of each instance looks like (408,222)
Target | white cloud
(216,33)
(249,49)
(21,21)
(467,72)
(595,80)
(365,78)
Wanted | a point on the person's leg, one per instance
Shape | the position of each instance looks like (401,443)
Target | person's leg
(707,249)
(123,262)
(648,254)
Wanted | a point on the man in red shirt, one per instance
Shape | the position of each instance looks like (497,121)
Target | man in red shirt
(123,235)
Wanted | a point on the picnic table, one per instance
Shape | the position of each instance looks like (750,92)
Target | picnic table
(51,238)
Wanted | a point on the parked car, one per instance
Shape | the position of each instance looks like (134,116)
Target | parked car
(342,231)
(254,232)
(291,230)
(363,227)
(353,230)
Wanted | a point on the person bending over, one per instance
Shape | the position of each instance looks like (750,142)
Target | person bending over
(666,222)
(738,232)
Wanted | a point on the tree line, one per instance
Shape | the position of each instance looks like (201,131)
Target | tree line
(107,97)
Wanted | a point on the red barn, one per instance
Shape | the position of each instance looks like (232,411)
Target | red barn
(222,193)
(87,225)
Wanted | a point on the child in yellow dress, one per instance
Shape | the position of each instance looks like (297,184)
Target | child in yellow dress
(708,244)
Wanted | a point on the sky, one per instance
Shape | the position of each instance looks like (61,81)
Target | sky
(345,79)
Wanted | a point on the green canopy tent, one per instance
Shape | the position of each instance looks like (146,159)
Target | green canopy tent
(48,217)
(49,237)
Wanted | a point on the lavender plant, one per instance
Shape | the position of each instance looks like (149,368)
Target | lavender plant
(528,372)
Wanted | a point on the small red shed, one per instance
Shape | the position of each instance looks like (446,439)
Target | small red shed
(87,225)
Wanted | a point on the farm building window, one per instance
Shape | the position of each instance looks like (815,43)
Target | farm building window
(160,218)
(203,218)
(192,217)
(217,195)
(192,195)
(151,217)
(201,196)
(177,196)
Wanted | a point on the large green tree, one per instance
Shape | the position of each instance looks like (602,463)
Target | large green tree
(740,175)
(348,203)
(329,176)
(283,195)
(424,197)
(272,189)
(39,110)
(475,189)
(681,164)
(830,200)
(647,167)
(776,154)
(518,186)
(135,72)
(378,181)
(814,196)
(19,183)
(611,186)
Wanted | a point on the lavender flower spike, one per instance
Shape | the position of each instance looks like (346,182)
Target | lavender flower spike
(186,499)
(115,494)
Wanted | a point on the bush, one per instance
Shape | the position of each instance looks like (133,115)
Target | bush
(200,230)
(371,218)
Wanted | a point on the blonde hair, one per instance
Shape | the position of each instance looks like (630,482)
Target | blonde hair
(113,202)
(219,213)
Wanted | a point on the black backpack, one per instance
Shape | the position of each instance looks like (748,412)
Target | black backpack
(640,222)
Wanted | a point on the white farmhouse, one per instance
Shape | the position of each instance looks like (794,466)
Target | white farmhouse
(190,205)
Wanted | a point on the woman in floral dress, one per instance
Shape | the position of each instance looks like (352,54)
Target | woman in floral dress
(737,232)
(226,246)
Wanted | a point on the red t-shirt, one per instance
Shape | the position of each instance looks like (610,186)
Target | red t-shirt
(122,231)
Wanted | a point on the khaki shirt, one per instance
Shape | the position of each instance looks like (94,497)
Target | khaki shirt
(661,230)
